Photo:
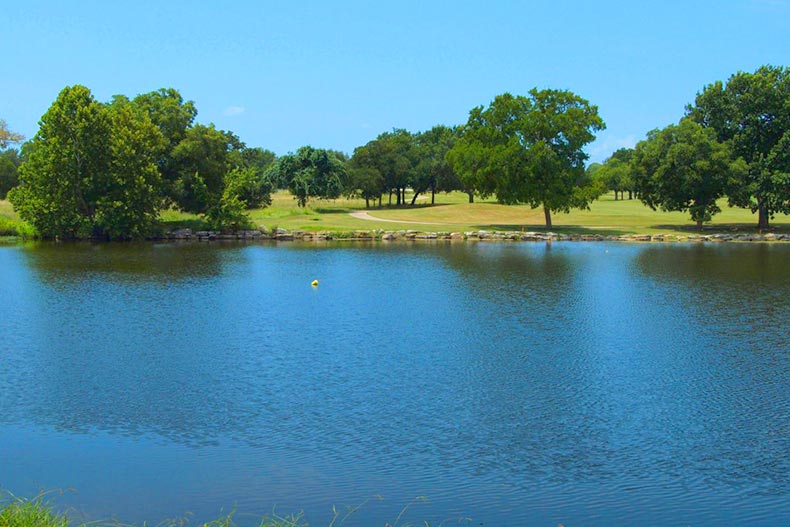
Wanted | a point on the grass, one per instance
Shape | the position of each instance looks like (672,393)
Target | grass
(30,513)
(452,212)
(38,512)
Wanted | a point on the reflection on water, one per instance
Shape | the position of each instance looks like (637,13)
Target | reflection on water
(591,384)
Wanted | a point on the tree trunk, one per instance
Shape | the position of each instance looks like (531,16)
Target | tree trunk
(471,197)
(630,196)
(367,202)
(403,199)
(615,195)
(414,198)
(433,195)
(762,215)
(390,197)
(379,200)
(699,225)
(547,213)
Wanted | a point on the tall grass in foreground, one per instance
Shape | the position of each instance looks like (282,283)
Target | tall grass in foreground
(38,512)
(30,513)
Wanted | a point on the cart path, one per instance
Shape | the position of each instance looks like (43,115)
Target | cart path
(362,215)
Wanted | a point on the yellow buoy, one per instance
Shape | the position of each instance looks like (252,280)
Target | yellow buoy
(314,283)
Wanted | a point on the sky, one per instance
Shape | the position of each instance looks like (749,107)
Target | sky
(336,74)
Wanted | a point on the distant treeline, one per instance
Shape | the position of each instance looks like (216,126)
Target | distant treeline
(106,170)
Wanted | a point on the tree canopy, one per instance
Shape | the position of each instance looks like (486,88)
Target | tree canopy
(90,170)
(310,173)
(751,111)
(106,170)
(684,168)
(530,149)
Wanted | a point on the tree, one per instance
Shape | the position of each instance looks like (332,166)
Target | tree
(90,170)
(200,162)
(130,200)
(173,116)
(530,149)
(393,155)
(364,182)
(247,178)
(684,168)
(752,112)
(615,174)
(7,137)
(249,185)
(9,165)
(433,171)
(310,173)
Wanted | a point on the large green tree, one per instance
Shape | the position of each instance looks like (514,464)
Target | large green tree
(752,112)
(200,161)
(90,170)
(530,150)
(684,168)
(310,173)
(173,116)
(129,204)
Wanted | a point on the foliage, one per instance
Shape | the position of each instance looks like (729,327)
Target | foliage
(201,162)
(66,163)
(228,214)
(432,170)
(310,173)
(173,116)
(616,173)
(249,185)
(752,112)
(128,206)
(393,157)
(684,168)
(90,170)
(364,182)
(7,137)
(9,165)
(529,149)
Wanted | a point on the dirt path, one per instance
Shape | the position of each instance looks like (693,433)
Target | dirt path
(362,215)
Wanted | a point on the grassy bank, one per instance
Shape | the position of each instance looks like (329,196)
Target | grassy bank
(452,212)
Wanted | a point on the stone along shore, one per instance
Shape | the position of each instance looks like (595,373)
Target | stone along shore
(411,235)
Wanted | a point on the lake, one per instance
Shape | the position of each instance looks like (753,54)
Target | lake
(513,384)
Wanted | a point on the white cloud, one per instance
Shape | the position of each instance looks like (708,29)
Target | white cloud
(234,110)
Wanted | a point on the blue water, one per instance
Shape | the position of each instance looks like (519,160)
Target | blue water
(513,384)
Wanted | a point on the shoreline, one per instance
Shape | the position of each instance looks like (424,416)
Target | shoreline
(473,236)
(380,235)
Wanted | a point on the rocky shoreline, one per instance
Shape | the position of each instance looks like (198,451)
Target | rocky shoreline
(411,235)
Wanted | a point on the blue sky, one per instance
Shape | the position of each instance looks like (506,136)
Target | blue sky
(336,74)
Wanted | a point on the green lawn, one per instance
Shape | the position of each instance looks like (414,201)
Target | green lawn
(452,212)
